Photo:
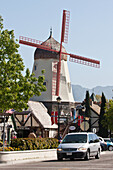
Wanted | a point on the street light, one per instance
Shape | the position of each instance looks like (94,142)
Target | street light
(58,101)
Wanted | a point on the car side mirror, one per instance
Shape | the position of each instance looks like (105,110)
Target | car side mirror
(91,141)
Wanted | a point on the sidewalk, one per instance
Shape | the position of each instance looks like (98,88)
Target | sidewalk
(15,157)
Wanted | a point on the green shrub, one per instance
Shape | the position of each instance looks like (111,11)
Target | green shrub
(1,143)
(34,144)
(18,142)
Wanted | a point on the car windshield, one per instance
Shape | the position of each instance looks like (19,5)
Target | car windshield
(75,138)
(112,139)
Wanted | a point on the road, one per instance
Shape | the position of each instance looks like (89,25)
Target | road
(105,163)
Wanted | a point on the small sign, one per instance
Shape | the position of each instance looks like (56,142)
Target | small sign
(84,126)
(94,130)
(72,128)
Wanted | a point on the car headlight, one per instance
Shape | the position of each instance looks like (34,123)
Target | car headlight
(59,149)
(82,149)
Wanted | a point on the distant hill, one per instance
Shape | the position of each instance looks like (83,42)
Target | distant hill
(79,92)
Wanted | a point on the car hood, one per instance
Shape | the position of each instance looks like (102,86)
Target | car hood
(109,143)
(72,145)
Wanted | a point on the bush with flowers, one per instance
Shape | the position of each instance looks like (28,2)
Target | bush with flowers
(34,143)
(21,144)
(7,149)
(1,143)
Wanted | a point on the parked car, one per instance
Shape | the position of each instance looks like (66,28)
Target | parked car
(103,144)
(79,145)
(111,139)
(109,143)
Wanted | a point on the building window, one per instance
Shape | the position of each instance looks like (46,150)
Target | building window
(69,87)
(44,83)
(35,67)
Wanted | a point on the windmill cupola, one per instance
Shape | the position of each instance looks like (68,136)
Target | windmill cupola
(55,45)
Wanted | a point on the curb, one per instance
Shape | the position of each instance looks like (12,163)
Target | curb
(14,157)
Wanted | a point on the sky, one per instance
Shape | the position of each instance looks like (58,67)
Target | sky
(90,33)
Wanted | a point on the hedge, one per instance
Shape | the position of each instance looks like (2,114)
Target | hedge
(21,144)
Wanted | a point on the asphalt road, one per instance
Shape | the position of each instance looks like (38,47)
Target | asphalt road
(105,163)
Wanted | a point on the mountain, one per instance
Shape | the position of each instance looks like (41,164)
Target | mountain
(79,92)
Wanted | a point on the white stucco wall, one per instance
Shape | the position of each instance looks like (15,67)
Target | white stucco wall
(65,86)
(65,92)
(40,65)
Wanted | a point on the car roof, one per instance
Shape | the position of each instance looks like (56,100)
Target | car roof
(80,133)
(101,137)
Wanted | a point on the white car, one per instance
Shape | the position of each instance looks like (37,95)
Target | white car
(79,145)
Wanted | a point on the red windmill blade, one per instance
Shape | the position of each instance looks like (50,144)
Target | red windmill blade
(64,38)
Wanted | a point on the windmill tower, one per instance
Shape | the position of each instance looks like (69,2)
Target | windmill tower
(49,61)
(52,56)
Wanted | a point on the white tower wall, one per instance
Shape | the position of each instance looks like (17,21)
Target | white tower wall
(50,66)
(39,65)
(65,84)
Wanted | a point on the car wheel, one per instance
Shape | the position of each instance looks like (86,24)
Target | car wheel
(110,148)
(87,155)
(98,155)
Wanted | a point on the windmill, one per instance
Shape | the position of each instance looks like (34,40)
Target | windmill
(64,39)
(52,56)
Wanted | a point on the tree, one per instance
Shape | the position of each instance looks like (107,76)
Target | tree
(108,121)
(15,89)
(103,131)
(98,97)
(87,105)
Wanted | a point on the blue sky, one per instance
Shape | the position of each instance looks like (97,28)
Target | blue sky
(90,33)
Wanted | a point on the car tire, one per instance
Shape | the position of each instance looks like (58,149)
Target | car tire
(98,155)
(87,155)
(110,148)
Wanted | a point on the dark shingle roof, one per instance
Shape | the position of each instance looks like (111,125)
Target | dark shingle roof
(55,45)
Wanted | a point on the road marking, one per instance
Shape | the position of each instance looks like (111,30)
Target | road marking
(64,169)
(59,168)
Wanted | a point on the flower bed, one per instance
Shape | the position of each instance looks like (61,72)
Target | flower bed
(21,144)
